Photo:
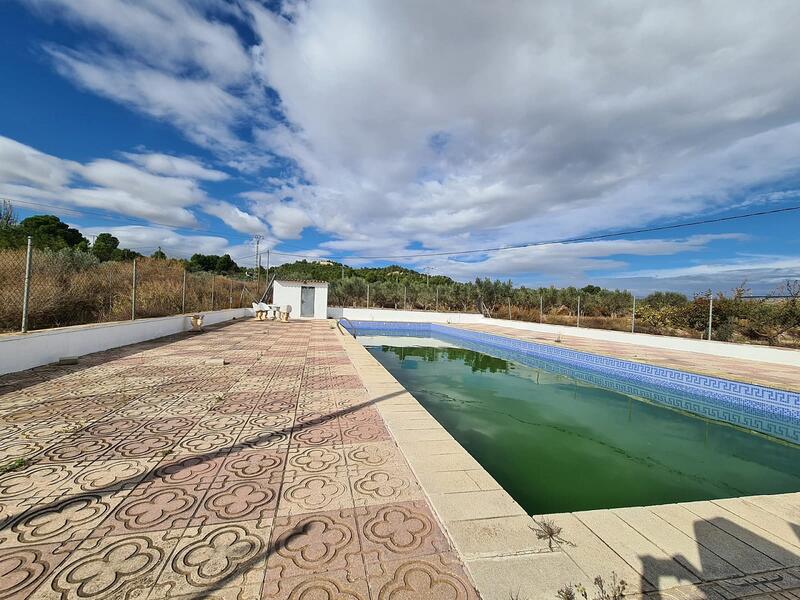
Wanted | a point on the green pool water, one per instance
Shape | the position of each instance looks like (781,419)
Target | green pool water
(559,445)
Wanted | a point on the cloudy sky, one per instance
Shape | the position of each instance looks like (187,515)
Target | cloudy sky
(383,128)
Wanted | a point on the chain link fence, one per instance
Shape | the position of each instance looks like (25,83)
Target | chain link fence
(73,288)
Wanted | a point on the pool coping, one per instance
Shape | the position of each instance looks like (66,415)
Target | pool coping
(498,542)
(486,525)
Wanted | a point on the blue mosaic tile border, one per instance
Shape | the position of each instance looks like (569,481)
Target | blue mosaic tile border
(768,410)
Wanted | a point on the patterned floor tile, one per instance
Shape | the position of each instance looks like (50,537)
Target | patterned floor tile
(25,568)
(186,470)
(35,480)
(394,531)
(316,460)
(157,476)
(389,483)
(58,520)
(372,454)
(212,443)
(314,493)
(230,556)
(247,464)
(437,577)
(318,543)
(123,567)
(111,475)
(232,500)
(333,585)
(153,508)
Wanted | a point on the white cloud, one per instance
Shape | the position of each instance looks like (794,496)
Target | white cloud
(234,217)
(146,239)
(164,164)
(527,122)
(21,164)
(175,35)
(451,126)
(30,176)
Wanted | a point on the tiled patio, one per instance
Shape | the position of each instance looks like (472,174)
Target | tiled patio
(154,473)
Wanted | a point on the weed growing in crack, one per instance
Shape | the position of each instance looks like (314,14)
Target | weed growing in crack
(14,465)
(615,590)
(546,529)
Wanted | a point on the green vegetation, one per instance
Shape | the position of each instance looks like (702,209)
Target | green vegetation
(14,465)
(74,268)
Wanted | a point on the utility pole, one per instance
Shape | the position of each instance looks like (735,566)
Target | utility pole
(579,312)
(710,313)
(633,316)
(342,271)
(541,307)
(265,291)
(257,239)
(26,290)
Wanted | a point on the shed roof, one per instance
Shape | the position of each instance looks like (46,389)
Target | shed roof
(304,281)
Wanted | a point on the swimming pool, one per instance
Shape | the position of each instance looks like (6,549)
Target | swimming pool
(561,430)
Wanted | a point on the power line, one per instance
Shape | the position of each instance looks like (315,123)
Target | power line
(573,240)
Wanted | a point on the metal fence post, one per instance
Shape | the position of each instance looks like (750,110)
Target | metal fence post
(230,295)
(633,316)
(541,309)
(578,324)
(26,290)
(404,297)
(710,313)
(183,294)
(437,298)
(213,279)
(509,309)
(133,293)
(367,295)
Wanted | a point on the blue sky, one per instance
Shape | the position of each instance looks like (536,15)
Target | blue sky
(351,129)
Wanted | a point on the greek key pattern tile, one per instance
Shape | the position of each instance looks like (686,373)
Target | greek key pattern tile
(148,474)
(768,410)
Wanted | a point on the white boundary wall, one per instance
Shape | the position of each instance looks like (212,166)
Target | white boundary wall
(19,351)
(783,356)
(407,316)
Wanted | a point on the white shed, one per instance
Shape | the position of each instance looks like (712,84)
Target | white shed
(308,299)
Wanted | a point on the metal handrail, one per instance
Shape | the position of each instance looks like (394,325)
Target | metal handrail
(354,333)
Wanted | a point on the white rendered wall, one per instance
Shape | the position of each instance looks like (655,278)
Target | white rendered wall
(783,356)
(21,351)
(289,292)
(408,316)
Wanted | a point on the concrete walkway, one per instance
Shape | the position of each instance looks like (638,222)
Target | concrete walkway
(779,376)
(153,471)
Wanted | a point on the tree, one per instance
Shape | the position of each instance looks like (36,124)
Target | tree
(7,216)
(48,231)
(104,246)
(121,254)
(159,254)
(225,264)
(662,299)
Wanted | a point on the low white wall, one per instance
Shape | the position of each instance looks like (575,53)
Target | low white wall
(408,316)
(783,356)
(27,350)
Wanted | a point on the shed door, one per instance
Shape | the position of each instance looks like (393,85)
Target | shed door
(307,301)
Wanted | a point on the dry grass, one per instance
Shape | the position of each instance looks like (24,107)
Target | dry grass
(67,291)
